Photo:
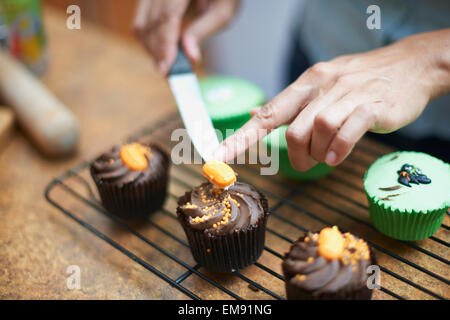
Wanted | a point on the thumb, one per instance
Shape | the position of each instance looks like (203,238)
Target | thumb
(191,47)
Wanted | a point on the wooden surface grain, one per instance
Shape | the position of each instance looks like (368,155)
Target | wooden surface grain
(112,87)
(7,119)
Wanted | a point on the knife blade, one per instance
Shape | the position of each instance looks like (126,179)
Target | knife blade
(186,90)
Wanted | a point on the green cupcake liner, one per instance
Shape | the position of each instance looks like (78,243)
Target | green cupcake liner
(229,101)
(318,171)
(418,214)
(404,225)
(233,123)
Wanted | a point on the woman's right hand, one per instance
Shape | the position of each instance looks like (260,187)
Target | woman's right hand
(158,25)
(333,104)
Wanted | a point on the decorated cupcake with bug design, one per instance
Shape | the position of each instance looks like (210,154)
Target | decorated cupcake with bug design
(408,194)
(224,220)
(131,179)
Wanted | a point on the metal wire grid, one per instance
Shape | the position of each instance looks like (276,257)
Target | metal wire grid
(294,191)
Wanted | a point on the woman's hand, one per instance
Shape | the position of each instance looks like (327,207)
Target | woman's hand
(332,104)
(158,25)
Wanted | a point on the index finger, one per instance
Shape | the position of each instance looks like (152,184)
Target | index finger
(280,110)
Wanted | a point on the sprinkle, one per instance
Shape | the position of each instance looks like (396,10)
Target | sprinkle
(190,206)
(354,250)
(300,277)
(393,158)
(391,188)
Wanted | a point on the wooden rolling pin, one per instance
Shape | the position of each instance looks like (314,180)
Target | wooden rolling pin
(6,125)
(51,125)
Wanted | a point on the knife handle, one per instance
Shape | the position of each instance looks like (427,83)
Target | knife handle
(181,64)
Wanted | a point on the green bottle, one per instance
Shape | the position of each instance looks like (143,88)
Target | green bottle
(26,38)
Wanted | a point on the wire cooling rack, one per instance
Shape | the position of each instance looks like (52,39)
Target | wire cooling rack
(409,270)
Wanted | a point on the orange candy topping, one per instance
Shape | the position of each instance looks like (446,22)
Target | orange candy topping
(133,155)
(219,173)
(331,243)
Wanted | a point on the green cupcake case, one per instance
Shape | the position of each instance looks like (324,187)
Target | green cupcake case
(405,210)
(318,171)
(229,101)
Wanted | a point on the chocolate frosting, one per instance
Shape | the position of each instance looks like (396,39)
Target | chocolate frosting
(307,270)
(222,211)
(109,167)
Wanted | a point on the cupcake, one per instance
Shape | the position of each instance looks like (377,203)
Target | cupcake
(229,101)
(131,179)
(408,194)
(276,142)
(328,266)
(225,227)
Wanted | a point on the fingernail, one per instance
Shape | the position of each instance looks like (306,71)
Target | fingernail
(330,158)
(197,55)
(162,67)
(254,111)
(192,48)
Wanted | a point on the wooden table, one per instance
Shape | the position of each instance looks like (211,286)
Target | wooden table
(113,89)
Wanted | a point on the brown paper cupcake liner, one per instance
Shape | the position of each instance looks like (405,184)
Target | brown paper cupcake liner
(293,292)
(135,201)
(229,252)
